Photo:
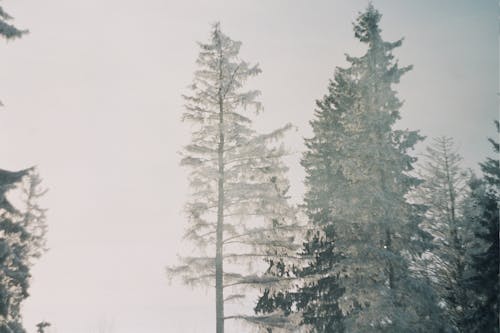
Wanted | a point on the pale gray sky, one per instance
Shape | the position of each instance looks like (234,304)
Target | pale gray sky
(93,97)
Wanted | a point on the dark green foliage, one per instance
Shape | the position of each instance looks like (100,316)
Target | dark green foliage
(324,316)
(21,240)
(485,280)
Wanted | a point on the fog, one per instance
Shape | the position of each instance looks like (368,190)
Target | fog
(93,98)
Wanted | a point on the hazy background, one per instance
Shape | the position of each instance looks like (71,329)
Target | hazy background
(93,97)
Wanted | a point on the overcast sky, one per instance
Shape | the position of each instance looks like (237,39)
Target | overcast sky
(93,97)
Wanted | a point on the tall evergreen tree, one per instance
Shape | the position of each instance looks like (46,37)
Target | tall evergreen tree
(375,225)
(484,281)
(364,232)
(445,195)
(239,212)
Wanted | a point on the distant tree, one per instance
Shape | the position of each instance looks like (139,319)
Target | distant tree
(444,193)
(22,233)
(484,273)
(239,213)
(41,326)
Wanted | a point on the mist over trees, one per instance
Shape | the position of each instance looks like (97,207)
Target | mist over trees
(390,245)
(22,240)
(383,239)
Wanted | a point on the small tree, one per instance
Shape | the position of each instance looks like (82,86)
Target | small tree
(239,212)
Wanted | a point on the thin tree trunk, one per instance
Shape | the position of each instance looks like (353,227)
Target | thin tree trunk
(219,292)
(219,269)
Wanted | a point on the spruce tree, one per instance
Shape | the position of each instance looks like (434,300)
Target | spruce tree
(375,225)
(238,214)
(364,232)
(484,279)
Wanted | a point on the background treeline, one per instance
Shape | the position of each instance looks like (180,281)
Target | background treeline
(381,243)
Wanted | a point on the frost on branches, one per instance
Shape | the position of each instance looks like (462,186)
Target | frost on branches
(364,232)
(445,194)
(22,239)
(238,213)
(376,234)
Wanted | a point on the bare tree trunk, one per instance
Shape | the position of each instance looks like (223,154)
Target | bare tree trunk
(219,269)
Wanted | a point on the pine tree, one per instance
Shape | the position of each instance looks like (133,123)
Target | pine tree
(444,193)
(375,225)
(364,232)
(22,233)
(484,279)
(239,212)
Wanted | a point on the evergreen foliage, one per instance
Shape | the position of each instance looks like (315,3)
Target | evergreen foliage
(484,279)
(238,210)
(364,232)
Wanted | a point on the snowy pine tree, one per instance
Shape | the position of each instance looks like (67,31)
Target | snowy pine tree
(239,213)
(364,233)
(375,225)
(444,193)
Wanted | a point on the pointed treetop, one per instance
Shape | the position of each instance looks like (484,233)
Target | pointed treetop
(366,27)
